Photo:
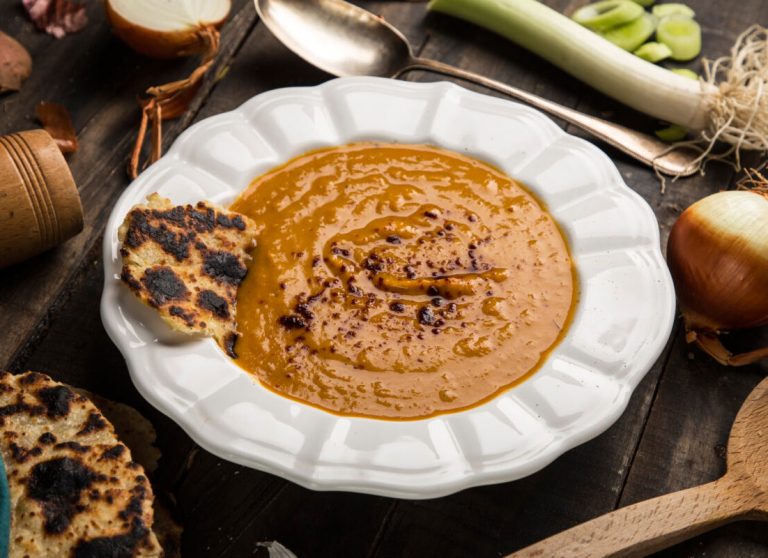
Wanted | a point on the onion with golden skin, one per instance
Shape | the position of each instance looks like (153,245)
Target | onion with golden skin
(162,37)
(718,256)
(167,29)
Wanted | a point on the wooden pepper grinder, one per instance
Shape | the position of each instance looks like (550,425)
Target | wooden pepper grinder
(39,204)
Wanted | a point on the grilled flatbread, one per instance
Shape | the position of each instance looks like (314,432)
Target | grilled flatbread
(188,262)
(75,490)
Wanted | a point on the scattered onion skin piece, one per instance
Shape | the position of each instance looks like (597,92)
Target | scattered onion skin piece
(718,257)
(160,44)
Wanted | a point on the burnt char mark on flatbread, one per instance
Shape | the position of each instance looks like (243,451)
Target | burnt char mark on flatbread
(235,222)
(202,218)
(179,312)
(21,407)
(225,267)
(216,305)
(129,279)
(164,285)
(22,455)
(56,400)
(141,230)
(57,485)
(31,378)
(118,546)
(94,423)
(47,439)
(229,344)
(113,452)
(72,445)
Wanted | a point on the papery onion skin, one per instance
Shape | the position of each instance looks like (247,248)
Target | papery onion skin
(718,257)
(159,44)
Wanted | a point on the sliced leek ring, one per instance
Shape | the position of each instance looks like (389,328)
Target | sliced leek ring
(633,34)
(682,35)
(665,10)
(604,15)
(685,72)
(644,3)
(671,133)
(653,52)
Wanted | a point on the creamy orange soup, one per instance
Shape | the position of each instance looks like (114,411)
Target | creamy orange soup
(398,281)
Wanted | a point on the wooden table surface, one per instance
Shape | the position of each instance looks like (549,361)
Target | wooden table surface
(672,435)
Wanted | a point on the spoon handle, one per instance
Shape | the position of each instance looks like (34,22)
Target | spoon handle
(646,149)
(649,526)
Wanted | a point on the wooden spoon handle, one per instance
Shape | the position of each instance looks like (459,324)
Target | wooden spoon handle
(648,526)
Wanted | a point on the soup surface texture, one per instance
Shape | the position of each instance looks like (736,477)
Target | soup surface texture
(398,281)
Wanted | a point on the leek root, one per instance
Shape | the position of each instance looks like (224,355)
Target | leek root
(730,104)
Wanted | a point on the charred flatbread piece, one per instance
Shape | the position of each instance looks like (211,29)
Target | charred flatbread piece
(75,490)
(188,262)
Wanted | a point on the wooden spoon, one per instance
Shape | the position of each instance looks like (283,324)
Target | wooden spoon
(649,526)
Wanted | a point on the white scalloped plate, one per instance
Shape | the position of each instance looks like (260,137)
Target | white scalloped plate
(621,325)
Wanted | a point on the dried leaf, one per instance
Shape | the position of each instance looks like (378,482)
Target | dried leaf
(15,64)
(56,121)
(57,17)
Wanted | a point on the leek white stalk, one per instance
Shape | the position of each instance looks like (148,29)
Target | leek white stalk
(734,111)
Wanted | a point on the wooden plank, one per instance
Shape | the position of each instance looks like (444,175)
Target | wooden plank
(254,506)
(99,85)
(587,480)
(228,509)
(684,443)
(262,64)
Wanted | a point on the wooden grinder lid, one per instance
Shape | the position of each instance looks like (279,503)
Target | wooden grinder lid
(39,204)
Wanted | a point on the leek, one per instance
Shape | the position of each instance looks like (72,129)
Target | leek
(682,35)
(633,34)
(734,111)
(585,55)
(664,10)
(653,52)
(685,72)
(601,16)
(671,133)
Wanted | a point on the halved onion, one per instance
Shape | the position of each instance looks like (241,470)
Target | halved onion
(168,28)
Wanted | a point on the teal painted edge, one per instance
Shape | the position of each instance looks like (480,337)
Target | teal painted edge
(5,512)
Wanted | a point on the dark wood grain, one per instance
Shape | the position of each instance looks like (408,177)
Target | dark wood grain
(97,79)
(671,436)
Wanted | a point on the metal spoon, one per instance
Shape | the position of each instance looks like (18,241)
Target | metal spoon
(345,40)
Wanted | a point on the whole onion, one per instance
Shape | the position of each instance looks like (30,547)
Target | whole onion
(718,256)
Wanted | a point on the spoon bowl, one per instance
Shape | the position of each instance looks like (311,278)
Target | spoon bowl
(748,442)
(345,40)
(337,37)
